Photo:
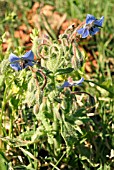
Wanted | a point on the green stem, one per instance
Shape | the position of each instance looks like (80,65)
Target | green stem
(53,80)
(5,99)
(11,124)
(55,166)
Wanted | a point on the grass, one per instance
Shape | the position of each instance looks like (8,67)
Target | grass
(41,131)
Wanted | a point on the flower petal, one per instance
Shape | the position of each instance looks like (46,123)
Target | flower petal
(13,58)
(80,31)
(93,31)
(85,33)
(28,56)
(66,84)
(75,83)
(79,82)
(16,66)
(29,63)
(89,19)
(99,22)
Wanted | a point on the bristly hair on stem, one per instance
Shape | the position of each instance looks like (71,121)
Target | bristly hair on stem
(42,74)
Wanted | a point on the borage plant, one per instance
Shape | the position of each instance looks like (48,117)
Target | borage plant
(56,109)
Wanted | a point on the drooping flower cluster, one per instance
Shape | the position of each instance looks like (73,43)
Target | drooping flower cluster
(91,26)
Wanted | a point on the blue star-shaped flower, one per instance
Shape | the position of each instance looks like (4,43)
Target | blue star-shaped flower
(73,83)
(91,27)
(20,63)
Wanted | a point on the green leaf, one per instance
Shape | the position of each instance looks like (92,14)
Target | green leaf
(64,71)
(1,80)
(28,153)
(106,83)
(23,167)
(3,162)
(14,102)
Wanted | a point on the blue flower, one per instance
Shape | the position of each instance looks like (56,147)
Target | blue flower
(91,26)
(20,63)
(71,83)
